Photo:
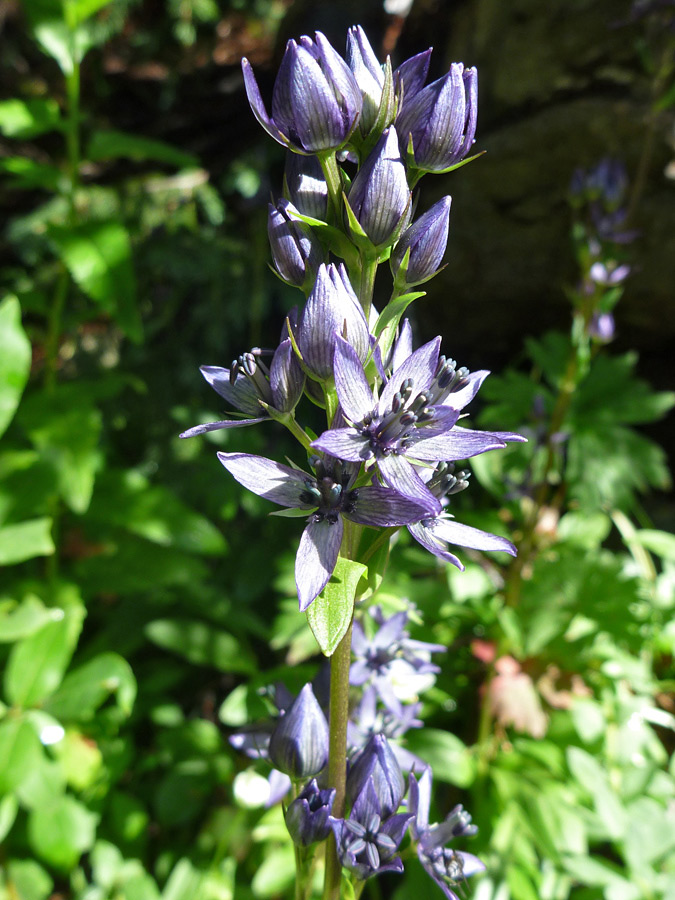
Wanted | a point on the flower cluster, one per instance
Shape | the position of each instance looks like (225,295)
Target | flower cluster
(359,137)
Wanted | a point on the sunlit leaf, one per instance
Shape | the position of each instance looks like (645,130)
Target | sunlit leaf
(25,540)
(15,359)
(60,832)
(28,118)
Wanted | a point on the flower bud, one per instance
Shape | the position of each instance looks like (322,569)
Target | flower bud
(368,74)
(332,308)
(299,743)
(287,380)
(379,196)
(307,818)
(441,120)
(427,239)
(306,186)
(315,103)
(377,761)
(296,250)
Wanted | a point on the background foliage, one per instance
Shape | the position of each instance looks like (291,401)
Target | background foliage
(136,615)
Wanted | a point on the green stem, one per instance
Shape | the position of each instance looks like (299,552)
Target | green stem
(331,172)
(367,283)
(297,431)
(338,718)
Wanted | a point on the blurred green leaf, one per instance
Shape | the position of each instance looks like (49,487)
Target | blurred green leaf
(451,760)
(330,614)
(660,543)
(78,11)
(8,810)
(184,882)
(592,871)
(84,689)
(25,540)
(37,663)
(275,874)
(28,118)
(65,428)
(105,145)
(26,173)
(60,832)
(201,644)
(29,880)
(128,500)
(98,256)
(20,753)
(19,621)
(593,778)
(15,360)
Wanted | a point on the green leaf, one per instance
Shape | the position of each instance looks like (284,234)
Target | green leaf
(330,614)
(592,871)
(65,428)
(29,880)
(78,11)
(26,173)
(201,643)
(15,360)
(275,874)
(36,664)
(593,778)
(98,256)
(183,883)
(8,810)
(24,119)
(128,500)
(25,540)
(20,753)
(661,543)
(25,619)
(60,832)
(83,690)
(448,756)
(387,322)
(105,145)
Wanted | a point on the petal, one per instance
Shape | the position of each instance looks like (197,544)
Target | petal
(344,443)
(425,536)
(400,475)
(242,395)
(266,478)
(403,347)
(353,390)
(256,102)
(317,114)
(510,437)
(316,558)
(420,367)
(465,536)
(459,443)
(461,398)
(382,507)
(443,420)
(287,379)
(217,426)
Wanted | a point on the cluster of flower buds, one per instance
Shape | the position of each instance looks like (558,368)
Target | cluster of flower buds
(599,198)
(359,136)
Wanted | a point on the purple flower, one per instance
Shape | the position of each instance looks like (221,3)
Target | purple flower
(436,532)
(414,419)
(315,103)
(253,389)
(299,743)
(332,308)
(601,327)
(409,79)
(369,718)
(366,843)
(447,867)
(426,239)
(308,816)
(377,763)
(296,250)
(390,654)
(441,120)
(327,496)
(379,196)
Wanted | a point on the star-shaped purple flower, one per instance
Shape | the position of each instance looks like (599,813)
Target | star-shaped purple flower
(414,419)
(447,867)
(327,496)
